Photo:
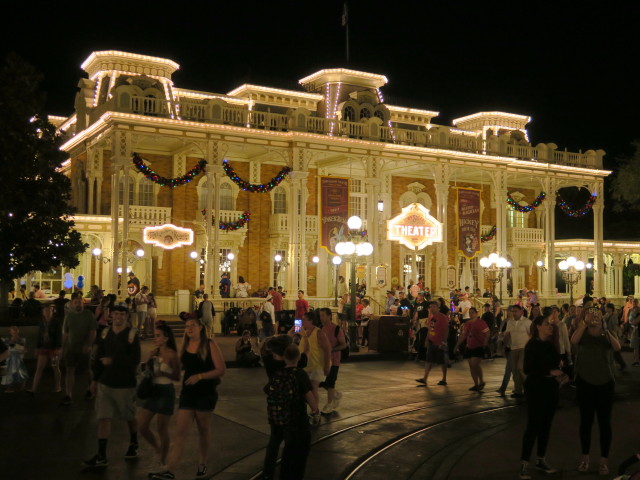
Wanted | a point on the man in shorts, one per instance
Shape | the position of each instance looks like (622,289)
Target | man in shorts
(78,335)
(118,357)
(437,349)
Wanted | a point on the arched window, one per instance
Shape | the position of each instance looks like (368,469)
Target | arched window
(279,200)
(203,191)
(379,114)
(121,189)
(226,197)
(145,193)
(365,113)
(349,114)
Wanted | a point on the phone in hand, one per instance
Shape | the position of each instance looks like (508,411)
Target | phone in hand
(297,325)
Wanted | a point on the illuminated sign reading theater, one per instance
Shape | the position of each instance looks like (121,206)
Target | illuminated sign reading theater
(414,227)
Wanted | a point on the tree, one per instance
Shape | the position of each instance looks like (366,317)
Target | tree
(624,186)
(36,233)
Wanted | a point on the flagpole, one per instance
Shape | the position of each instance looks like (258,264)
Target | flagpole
(345,23)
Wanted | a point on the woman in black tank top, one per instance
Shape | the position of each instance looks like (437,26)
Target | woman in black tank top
(203,366)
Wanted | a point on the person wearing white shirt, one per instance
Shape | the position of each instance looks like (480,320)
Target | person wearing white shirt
(463,307)
(518,332)
(268,307)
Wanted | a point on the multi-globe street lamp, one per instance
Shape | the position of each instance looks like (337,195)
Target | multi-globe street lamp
(494,266)
(356,246)
(571,269)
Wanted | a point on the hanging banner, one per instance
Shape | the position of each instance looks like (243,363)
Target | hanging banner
(334,211)
(468,222)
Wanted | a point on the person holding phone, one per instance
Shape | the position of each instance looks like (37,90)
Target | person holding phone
(316,346)
(595,383)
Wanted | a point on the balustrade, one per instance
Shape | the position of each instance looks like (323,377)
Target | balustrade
(438,137)
(279,224)
(525,236)
(147,216)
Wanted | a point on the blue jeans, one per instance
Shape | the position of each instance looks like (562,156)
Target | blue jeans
(507,372)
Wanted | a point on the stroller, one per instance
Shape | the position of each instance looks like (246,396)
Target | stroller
(248,320)
(231,321)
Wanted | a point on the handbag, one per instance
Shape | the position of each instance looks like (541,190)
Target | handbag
(145,387)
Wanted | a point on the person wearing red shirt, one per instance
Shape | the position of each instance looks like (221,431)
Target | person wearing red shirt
(302,306)
(437,349)
(277,299)
(475,333)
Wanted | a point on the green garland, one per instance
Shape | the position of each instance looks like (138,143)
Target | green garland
(526,208)
(164,181)
(254,187)
(235,225)
(489,236)
(576,212)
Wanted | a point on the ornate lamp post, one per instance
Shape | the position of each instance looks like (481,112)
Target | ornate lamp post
(571,269)
(357,246)
(494,266)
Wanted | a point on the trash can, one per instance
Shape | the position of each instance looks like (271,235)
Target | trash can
(389,334)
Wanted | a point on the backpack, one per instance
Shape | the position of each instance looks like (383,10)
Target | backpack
(344,353)
(282,393)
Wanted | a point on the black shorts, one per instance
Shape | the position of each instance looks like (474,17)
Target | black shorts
(436,355)
(474,352)
(162,400)
(330,381)
(191,400)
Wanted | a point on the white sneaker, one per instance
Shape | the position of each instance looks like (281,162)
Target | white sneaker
(327,409)
(336,399)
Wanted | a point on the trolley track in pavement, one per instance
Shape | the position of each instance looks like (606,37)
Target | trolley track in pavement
(390,426)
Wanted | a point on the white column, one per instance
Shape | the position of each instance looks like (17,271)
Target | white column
(98,207)
(549,240)
(213,264)
(598,238)
(500,201)
(209,217)
(441,185)
(90,195)
(372,186)
(297,232)
(618,265)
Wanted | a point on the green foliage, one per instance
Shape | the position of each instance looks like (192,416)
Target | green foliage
(624,186)
(35,230)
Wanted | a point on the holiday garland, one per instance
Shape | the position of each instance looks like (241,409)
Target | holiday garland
(255,187)
(164,181)
(572,212)
(489,236)
(235,225)
(526,208)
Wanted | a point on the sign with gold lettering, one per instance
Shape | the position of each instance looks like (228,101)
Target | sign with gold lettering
(468,227)
(168,236)
(414,227)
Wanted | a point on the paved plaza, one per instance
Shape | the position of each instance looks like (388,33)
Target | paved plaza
(387,427)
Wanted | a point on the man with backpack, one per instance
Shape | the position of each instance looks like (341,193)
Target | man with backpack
(338,343)
(288,392)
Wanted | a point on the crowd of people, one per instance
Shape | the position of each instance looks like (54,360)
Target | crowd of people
(546,348)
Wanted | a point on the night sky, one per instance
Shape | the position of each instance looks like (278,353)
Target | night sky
(569,65)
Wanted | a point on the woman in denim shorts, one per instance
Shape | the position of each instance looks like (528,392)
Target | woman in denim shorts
(165,369)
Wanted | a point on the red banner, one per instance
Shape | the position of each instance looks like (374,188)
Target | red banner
(334,211)
(468,222)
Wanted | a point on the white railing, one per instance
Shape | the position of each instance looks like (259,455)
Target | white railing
(525,235)
(279,224)
(436,137)
(142,215)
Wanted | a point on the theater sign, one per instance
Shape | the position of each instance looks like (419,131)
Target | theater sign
(168,236)
(414,227)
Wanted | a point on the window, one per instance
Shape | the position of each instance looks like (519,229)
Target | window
(349,114)
(145,193)
(279,200)
(278,268)
(515,218)
(473,267)
(121,189)
(224,264)
(357,199)
(379,114)
(203,192)
(365,113)
(407,271)
(226,197)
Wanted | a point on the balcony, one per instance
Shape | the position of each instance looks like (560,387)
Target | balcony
(525,236)
(147,216)
(442,137)
(279,224)
(228,216)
